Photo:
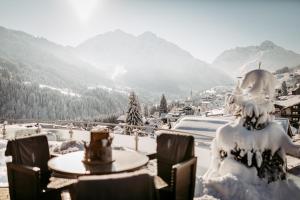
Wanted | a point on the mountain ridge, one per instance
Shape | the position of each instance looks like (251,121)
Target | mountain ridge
(161,60)
(243,59)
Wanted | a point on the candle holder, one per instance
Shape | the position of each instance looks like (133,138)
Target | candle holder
(99,151)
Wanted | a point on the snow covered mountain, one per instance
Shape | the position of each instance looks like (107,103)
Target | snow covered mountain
(36,59)
(42,80)
(147,62)
(243,59)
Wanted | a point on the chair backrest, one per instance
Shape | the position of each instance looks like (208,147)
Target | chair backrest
(172,149)
(118,187)
(31,151)
(184,177)
(23,183)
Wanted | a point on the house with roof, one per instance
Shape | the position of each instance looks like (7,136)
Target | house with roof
(296,91)
(289,107)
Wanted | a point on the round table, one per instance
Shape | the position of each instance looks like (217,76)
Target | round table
(71,163)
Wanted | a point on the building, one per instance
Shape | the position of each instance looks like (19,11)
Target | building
(296,91)
(188,110)
(289,107)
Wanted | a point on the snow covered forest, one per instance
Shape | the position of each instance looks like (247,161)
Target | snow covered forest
(29,101)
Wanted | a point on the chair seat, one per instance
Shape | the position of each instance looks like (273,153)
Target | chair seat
(57,183)
(49,194)
(166,193)
(159,183)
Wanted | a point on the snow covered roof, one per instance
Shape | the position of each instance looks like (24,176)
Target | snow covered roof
(122,118)
(288,101)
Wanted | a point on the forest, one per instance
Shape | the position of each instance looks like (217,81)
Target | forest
(28,101)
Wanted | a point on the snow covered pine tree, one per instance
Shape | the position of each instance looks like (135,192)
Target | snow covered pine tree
(146,111)
(163,108)
(249,153)
(134,116)
(284,91)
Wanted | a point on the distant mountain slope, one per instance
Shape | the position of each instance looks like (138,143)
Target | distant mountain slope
(28,62)
(242,59)
(39,60)
(147,62)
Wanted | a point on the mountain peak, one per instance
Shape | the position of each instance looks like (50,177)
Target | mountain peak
(118,31)
(267,44)
(148,34)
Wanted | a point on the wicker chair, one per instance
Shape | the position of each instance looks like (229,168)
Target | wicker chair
(176,165)
(28,173)
(116,187)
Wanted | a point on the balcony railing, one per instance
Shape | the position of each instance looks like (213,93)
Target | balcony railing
(72,125)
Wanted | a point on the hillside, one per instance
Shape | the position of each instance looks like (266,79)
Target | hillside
(35,75)
(41,61)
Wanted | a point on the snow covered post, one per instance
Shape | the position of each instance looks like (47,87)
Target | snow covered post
(136,139)
(70,127)
(39,128)
(4,130)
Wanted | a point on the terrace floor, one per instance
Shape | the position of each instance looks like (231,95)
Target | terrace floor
(4,194)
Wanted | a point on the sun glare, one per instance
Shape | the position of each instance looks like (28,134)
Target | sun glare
(84,8)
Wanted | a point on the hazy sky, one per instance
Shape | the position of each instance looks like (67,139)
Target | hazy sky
(205,28)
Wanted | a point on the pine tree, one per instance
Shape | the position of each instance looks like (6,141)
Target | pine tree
(163,108)
(146,111)
(133,114)
(284,91)
(153,109)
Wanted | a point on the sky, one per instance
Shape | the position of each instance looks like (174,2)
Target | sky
(205,28)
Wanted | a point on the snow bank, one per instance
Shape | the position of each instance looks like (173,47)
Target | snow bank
(230,187)
(3,176)
(68,147)
(99,128)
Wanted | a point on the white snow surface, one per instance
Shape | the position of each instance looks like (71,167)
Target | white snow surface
(231,187)
(99,128)
(259,82)
(229,179)
(288,101)
(62,91)
(272,137)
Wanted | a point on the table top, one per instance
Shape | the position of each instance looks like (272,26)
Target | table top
(71,163)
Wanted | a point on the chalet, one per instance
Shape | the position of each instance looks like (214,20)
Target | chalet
(289,107)
(122,119)
(296,91)
(188,110)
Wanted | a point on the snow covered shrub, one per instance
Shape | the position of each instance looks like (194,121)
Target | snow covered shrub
(68,147)
(249,154)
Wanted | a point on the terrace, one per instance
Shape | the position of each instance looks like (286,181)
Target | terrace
(65,137)
(66,140)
